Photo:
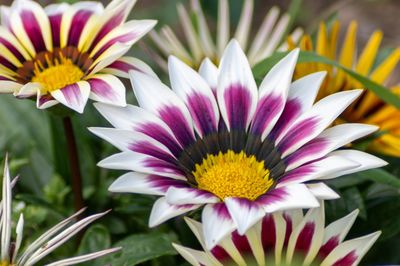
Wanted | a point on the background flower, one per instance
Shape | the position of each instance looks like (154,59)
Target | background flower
(216,140)
(288,238)
(56,53)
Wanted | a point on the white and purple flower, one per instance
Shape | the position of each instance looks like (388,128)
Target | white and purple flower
(44,244)
(285,238)
(68,53)
(217,140)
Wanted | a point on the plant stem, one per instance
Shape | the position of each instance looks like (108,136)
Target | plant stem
(73,163)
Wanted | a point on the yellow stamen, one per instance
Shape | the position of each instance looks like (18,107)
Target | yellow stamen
(56,75)
(233,174)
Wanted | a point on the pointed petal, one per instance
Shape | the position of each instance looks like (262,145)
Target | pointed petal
(6,213)
(84,258)
(133,161)
(163,211)
(243,28)
(73,96)
(322,191)
(217,224)
(194,257)
(196,94)
(44,101)
(123,65)
(288,197)
(28,90)
(272,95)
(312,123)
(351,252)
(139,183)
(187,195)
(209,72)
(107,88)
(237,90)
(158,99)
(329,140)
(245,213)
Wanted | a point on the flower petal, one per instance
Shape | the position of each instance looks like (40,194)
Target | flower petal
(322,191)
(245,213)
(194,257)
(187,195)
(107,88)
(196,94)
(139,183)
(158,99)
(123,65)
(351,252)
(307,236)
(44,101)
(272,95)
(329,140)
(237,90)
(209,72)
(139,162)
(31,26)
(163,211)
(139,120)
(73,96)
(336,232)
(217,223)
(312,123)
(288,197)
(302,94)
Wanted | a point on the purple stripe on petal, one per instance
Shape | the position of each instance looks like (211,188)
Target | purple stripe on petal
(123,66)
(45,98)
(7,64)
(4,78)
(241,243)
(304,239)
(349,259)
(12,49)
(120,39)
(150,149)
(222,211)
(55,24)
(220,254)
(112,23)
(77,25)
(102,88)
(163,183)
(267,109)
(289,229)
(273,196)
(72,94)
(33,30)
(202,111)
(238,101)
(158,133)
(298,173)
(174,118)
(328,247)
(268,233)
(315,146)
(298,133)
(290,113)
(162,166)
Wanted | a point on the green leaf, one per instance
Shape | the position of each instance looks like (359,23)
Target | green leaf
(382,92)
(96,238)
(380,176)
(354,200)
(143,247)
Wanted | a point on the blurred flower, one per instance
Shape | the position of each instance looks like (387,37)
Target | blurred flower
(288,238)
(240,150)
(368,108)
(68,53)
(200,42)
(47,242)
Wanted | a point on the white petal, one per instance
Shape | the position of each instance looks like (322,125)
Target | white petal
(73,96)
(322,191)
(194,257)
(340,228)
(179,196)
(123,65)
(163,211)
(107,88)
(209,72)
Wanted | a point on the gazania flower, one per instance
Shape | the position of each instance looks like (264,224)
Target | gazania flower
(217,140)
(199,43)
(68,53)
(288,238)
(368,108)
(46,243)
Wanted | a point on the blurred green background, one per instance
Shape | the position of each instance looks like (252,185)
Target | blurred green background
(36,144)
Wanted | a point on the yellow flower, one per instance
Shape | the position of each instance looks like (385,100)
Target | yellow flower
(368,108)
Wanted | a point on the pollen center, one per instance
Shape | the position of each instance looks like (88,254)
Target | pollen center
(233,174)
(57,74)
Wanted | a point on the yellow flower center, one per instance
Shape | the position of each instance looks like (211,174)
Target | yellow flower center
(5,263)
(57,74)
(233,174)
